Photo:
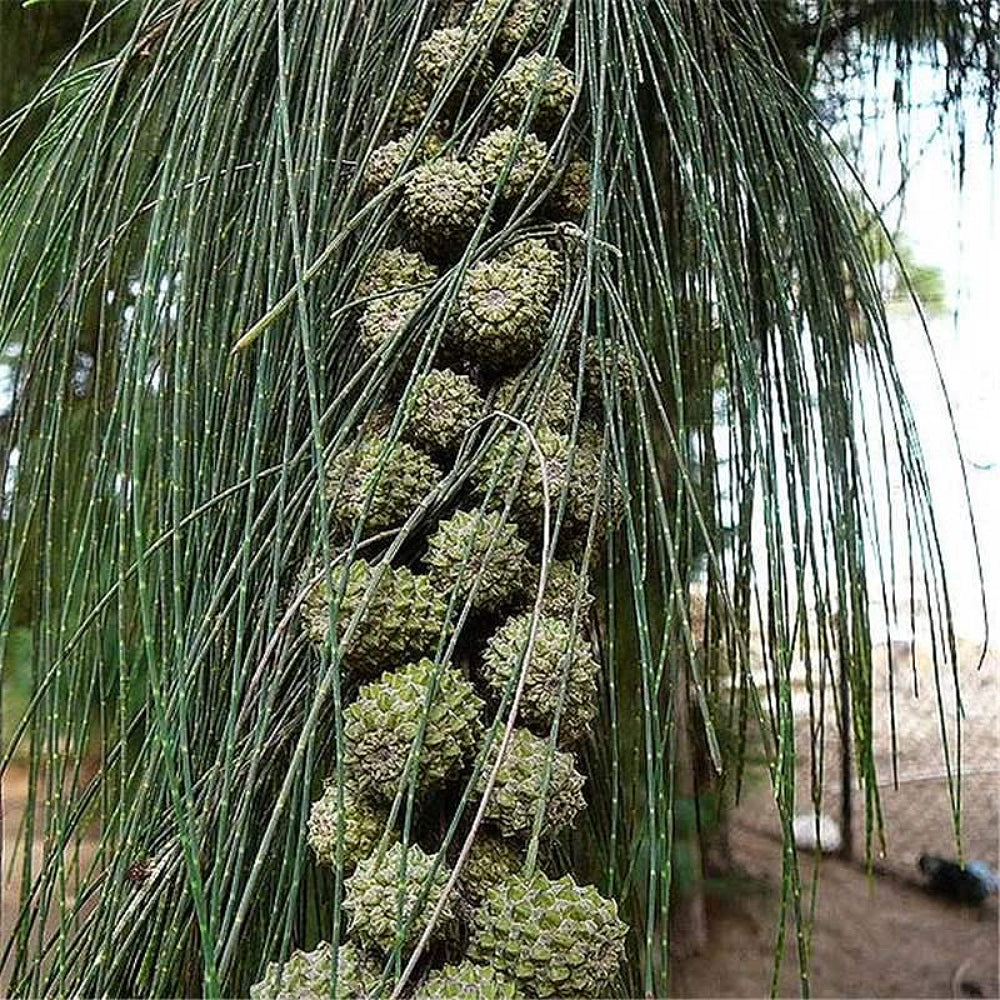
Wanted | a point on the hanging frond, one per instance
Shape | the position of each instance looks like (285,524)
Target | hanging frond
(436,352)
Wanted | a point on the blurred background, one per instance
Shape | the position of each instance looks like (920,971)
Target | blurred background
(930,171)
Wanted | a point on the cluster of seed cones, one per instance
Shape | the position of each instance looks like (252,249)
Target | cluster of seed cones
(428,701)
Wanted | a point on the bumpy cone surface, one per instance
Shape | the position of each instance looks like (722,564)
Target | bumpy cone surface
(445,405)
(363,822)
(385,161)
(384,320)
(518,789)
(439,55)
(605,368)
(554,938)
(512,460)
(562,586)
(571,197)
(504,306)
(561,667)
(522,25)
(473,550)
(466,981)
(394,269)
(540,79)
(402,620)
(553,402)
(490,860)
(306,975)
(512,162)
(390,479)
(380,901)
(381,726)
(437,60)
(443,203)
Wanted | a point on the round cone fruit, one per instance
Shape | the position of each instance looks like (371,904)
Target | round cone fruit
(505,304)
(386,161)
(443,408)
(521,25)
(466,981)
(382,482)
(538,81)
(560,675)
(384,722)
(563,589)
(443,202)
(511,464)
(394,270)
(363,825)
(511,163)
(571,197)
(401,620)
(553,403)
(382,897)
(307,974)
(517,793)
(490,860)
(482,556)
(384,321)
(552,937)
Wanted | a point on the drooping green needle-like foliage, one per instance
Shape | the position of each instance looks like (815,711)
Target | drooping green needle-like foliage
(228,537)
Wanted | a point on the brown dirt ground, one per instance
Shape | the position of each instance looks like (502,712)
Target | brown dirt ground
(881,936)
(878,937)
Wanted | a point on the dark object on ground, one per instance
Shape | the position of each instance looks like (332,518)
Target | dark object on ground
(971,884)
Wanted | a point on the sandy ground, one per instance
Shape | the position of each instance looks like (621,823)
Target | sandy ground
(872,938)
(881,936)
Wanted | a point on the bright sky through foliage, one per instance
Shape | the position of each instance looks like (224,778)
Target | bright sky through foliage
(956,229)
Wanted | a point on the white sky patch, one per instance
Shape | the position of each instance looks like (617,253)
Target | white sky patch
(955,229)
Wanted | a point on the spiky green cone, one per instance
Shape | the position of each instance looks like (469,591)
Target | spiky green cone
(402,620)
(562,587)
(553,403)
(363,823)
(383,321)
(443,202)
(394,269)
(490,860)
(540,79)
(538,260)
(482,556)
(385,482)
(379,901)
(504,306)
(445,405)
(552,937)
(306,976)
(571,197)
(561,669)
(511,463)
(522,26)
(465,981)
(385,162)
(518,789)
(439,55)
(609,369)
(511,163)
(380,728)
